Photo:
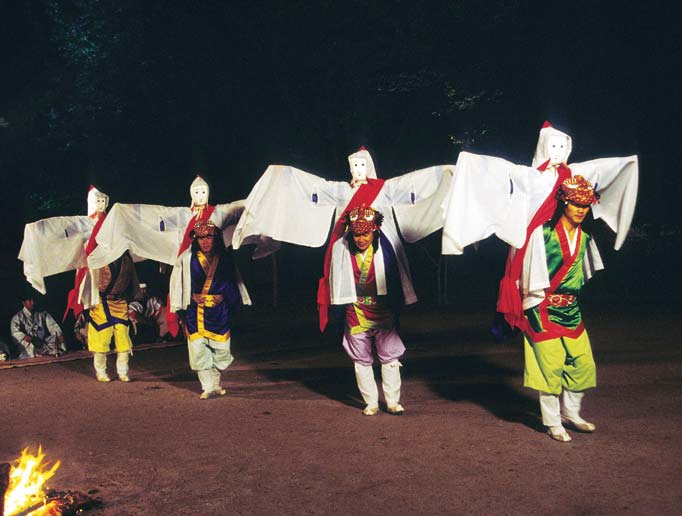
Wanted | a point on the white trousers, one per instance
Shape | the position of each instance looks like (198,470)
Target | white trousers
(390,383)
(209,379)
(100,363)
(551,408)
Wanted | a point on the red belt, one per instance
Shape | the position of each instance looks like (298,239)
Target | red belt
(560,299)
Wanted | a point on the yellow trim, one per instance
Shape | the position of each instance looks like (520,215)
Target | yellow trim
(364,265)
(210,300)
(363,323)
(209,335)
(209,269)
(117,308)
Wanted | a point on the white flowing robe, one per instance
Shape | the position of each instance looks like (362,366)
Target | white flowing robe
(290,205)
(54,245)
(489,195)
(155,233)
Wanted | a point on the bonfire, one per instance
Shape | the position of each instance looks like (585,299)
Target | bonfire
(24,492)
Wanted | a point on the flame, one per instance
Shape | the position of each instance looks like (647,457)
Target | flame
(26,480)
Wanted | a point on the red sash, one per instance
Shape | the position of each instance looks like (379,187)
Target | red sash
(509,299)
(553,330)
(72,297)
(205,214)
(365,194)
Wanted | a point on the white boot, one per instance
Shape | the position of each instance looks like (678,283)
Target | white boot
(390,382)
(217,389)
(122,366)
(551,417)
(364,374)
(100,362)
(572,401)
(206,379)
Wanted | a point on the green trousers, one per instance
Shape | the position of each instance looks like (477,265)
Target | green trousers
(554,364)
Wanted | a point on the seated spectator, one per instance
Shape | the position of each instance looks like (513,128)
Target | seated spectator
(35,332)
(80,330)
(148,318)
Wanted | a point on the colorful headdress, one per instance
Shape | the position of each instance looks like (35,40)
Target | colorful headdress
(204,228)
(578,190)
(364,220)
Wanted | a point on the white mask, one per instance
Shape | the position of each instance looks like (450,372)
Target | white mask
(557,149)
(358,169)
(361,167)
(199,192)
(97,201)
(100,204)
(553,145)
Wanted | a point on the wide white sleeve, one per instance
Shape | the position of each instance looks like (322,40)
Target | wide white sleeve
(616,180)
(226,216)
(180,288)
(88,293)
(147,231)
(592,261)
(417,199)
(286,205)
(534,274)
(54,245)
(487,195)
(341,278)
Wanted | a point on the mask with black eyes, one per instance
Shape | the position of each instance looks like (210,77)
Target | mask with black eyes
(364,220)
(97,201)
(361,167)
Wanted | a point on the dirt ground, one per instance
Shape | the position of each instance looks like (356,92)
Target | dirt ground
(290,439)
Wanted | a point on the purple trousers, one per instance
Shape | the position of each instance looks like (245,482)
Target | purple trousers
(388,344)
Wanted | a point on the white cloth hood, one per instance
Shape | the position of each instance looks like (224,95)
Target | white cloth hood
(198,182)
(93,194)
(541,155)
(364,154)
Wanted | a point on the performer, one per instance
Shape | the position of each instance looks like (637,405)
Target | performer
(489,196)
(35,332)
(162,233)
(208,315)
(290,205)
(365,261)
(61,244)
(117,285)
(559,258)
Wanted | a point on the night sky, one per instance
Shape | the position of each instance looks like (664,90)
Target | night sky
(138,97)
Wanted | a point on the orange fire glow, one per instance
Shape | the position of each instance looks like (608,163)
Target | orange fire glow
(27,478)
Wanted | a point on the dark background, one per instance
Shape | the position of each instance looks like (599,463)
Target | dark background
(138,97)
